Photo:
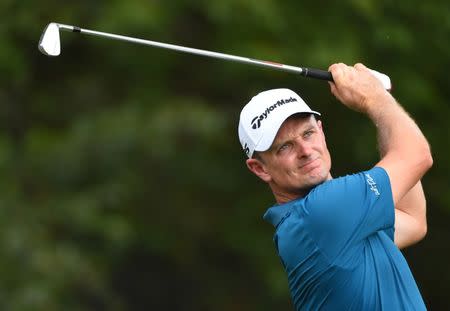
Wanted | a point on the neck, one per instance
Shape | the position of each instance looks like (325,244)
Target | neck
(283,197)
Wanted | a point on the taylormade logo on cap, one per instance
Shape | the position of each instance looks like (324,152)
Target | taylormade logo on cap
(256,122)
(263,116)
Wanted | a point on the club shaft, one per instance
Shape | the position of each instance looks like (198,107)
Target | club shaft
(49,44)
(184,49)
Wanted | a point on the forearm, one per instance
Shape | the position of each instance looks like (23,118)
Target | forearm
(413,203)
(410,217)
(396,130)
(410,210)
(398,134)
(404,150)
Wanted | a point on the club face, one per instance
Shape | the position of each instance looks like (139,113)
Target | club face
(49,44)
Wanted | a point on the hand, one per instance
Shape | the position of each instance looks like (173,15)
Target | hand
(356,87)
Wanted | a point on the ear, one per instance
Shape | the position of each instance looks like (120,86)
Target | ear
(319,124)
(259,169)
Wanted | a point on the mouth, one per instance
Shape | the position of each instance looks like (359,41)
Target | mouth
(310,165)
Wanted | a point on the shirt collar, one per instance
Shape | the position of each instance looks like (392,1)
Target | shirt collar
(276,213)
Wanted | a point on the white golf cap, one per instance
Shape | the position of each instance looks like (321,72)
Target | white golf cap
(263,116)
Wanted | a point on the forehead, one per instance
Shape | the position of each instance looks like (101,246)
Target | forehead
(293,124)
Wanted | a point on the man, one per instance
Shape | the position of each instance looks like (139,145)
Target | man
(335,237)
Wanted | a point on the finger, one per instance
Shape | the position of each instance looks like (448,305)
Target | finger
(333,89)
(360,66)
(332,86)
(337,70)
(337,65)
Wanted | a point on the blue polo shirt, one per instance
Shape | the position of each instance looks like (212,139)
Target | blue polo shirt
(337,247)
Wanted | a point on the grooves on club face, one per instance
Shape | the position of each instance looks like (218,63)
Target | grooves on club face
(49,43)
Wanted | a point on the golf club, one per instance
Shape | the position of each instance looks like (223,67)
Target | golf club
(49,44)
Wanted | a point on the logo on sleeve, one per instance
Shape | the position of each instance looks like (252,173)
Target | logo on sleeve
(372,184)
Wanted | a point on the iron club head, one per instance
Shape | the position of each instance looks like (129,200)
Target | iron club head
(50,44)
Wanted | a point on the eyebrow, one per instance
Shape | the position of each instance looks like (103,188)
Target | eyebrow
(281,143)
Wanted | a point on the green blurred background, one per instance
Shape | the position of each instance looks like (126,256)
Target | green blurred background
(123,184)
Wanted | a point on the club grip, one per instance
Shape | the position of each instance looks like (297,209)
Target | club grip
(317,74)
(326,75)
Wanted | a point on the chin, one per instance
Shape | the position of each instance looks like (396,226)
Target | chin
(316,180)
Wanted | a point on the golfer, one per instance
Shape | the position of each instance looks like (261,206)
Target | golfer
(339,238)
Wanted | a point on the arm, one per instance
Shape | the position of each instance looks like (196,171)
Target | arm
(410,210)
(410,218)
(405,152)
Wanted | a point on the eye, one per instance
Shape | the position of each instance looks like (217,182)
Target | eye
(284,147)
(308,133)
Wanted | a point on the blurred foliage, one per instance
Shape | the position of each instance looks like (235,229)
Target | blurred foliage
(123,183)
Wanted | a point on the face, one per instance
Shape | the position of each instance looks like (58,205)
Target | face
(297,160)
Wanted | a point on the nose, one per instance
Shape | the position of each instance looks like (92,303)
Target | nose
(304,149)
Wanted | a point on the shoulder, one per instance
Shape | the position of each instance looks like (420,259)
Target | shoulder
(351,190)
(365,180)
(343,211)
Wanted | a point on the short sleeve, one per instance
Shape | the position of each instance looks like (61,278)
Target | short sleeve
(344,211)
(390,232)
